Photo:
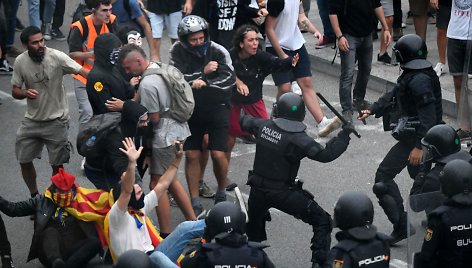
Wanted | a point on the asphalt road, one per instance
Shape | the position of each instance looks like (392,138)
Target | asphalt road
(289,238)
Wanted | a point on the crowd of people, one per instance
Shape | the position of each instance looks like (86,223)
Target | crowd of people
(143,116)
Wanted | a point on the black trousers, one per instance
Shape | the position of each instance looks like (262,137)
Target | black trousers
(392,164)
(75,249)
(297,203)
(5,248)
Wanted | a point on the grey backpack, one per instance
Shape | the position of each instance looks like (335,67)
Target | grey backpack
(182,102)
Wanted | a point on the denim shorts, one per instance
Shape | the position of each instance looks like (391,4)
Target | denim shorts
(170,21)
(303,68)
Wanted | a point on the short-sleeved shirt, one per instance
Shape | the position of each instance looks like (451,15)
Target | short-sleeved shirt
(162,7)
(286,27)
(156,98)
(355,17)
(46,77)
(122,14)
(124,233)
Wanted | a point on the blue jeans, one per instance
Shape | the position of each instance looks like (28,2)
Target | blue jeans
(33,12)
(323,9)
(360,48)
(169,250)
(11,9)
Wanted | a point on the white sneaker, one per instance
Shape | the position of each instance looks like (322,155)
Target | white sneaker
(327,126)
(296,88)
(439,69)
(82,164)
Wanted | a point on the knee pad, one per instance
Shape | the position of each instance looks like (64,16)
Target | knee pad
(380,189)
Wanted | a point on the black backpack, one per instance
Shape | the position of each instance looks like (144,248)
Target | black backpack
(92,132)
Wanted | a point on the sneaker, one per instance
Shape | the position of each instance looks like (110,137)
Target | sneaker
(241,202)
(57,34)
(401,231)
(14,52)
(464,134)
(439,69)
(296,88)
(7,262)
(230,185)
(47,31)
(5,68)
(220,198)
(82,164)
(327,126)
(200,213)
(325,42)
(348,115)
(205,191)
(409,18)
(19,26)
(385,59)
(403,25)
(172,201)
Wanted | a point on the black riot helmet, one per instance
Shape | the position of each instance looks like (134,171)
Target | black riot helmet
(224,218)
(353,209)
(456,181)
(192,24)
(291,106)
(440,141)
(133,258)
(411,51)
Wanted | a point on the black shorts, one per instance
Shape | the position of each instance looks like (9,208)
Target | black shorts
(215,122)
(443,15)
(303,68)
(456,55)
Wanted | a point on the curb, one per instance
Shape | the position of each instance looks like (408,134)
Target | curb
(376,83)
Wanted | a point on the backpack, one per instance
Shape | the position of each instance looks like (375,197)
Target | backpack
(182,102)
(92,132)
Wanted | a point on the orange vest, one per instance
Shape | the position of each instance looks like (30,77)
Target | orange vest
(87,45)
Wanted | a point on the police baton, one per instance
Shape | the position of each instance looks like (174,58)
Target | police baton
(345,122)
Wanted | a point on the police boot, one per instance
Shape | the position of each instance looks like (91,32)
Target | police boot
(319,259)
(401,230)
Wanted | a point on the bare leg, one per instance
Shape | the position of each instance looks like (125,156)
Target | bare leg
(29,176)
(230,143)
(220,168)
(157,44)
(310,98)
(182,199)
(193,171)
(420,25)
(163,209)
(441,41)
(462,106)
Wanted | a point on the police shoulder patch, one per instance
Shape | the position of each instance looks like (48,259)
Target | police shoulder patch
(429,234)
(98,86)
(338,263)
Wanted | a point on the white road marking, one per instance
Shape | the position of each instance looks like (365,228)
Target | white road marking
(396,263)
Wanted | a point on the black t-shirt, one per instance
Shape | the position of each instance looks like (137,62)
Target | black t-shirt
(76,39)
(355,18)
(164,6)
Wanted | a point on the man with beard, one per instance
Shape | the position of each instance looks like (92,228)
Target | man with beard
(41,70)
(64,231)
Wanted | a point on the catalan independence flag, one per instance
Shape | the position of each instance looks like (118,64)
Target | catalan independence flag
(91,205)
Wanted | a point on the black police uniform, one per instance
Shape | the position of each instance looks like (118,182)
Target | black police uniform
(279,150)
(417,96)
(368,249)
(448,239)
(239,254)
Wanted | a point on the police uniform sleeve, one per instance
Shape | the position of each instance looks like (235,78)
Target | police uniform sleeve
(432,239)
(251,124)
(423,94)
(192,260)
(333,149)
(338,258)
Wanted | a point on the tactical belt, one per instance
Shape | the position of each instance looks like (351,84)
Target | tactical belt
(262,182)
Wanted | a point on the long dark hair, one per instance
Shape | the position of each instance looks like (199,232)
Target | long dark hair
(241,33)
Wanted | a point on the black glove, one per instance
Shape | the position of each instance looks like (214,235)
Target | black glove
(348,128)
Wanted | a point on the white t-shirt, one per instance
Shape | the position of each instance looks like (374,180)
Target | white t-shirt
(46,77)
(460,24)
(286,27)
(124,234)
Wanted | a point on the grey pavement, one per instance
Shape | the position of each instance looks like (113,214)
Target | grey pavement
(382,76)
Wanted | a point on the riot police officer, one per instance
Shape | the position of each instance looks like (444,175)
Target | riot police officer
(227,241)
(441,145)
(281,144)
(360,245)
(448,238)
(409,110)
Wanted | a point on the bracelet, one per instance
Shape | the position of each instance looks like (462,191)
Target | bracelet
(174,165)
(339,37)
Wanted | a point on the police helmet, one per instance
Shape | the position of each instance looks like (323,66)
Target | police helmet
(456,181)
(440,141)
(291,106)
(224,218)
(192,24)
(411,51)
(133,258)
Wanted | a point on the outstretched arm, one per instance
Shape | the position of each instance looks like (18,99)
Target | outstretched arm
(128,177)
